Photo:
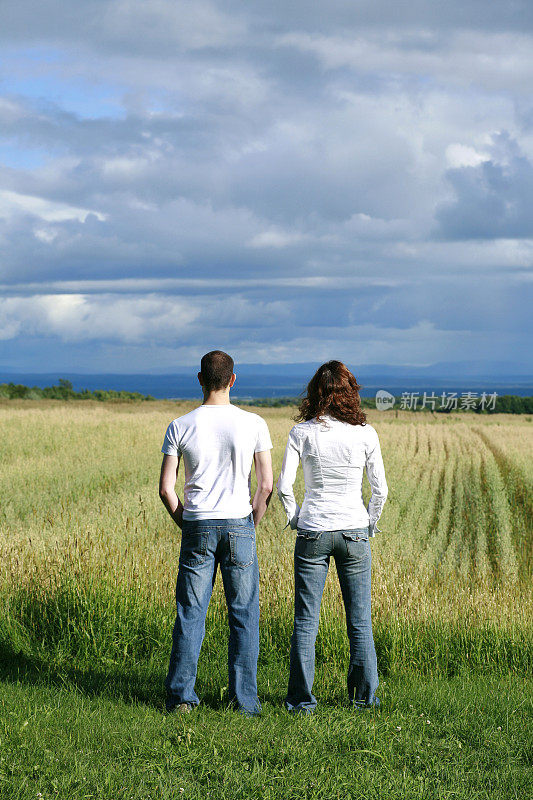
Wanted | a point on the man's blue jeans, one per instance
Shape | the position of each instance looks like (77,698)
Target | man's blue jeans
(312,553)
(205,544)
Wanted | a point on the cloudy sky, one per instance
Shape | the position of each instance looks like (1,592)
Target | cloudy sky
(287,181)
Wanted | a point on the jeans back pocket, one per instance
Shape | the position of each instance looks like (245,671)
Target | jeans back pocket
(356,544)
(307,542)
(242,548)
(193,546)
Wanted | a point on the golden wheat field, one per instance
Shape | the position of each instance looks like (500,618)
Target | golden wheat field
(80,508)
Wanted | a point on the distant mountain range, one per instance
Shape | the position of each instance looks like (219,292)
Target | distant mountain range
(288,380)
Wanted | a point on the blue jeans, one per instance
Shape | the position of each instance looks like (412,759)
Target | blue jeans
(312,552)
(205,544)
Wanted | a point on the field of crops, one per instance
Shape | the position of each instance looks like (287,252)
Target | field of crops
(88,557)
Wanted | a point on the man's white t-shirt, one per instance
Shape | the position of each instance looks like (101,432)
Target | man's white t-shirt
(217,444)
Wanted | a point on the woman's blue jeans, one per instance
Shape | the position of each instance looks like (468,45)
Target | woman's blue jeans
(205,544)
(312,553)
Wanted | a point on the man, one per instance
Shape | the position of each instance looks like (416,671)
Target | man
(217,442)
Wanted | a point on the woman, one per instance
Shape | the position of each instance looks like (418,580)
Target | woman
(334,444)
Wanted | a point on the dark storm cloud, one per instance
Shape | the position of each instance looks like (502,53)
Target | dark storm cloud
(492,199)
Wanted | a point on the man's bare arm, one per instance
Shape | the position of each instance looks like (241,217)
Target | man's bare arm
(265,483)
(167,488)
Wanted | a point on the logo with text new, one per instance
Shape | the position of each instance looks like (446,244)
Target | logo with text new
(384,400)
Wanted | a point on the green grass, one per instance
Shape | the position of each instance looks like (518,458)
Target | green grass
(433,738)
(85,623)
(82,713)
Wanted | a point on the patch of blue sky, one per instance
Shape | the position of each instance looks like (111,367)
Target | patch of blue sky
(18,157)
(39,54)
(75,95)
(39,74)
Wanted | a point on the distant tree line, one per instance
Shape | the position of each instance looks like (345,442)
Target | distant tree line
(281,402)
(65,391)
(505,404)
(512,404)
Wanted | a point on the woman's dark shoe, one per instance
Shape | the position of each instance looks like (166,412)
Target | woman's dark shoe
(361,704)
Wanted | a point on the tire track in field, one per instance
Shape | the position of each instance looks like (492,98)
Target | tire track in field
(487,507)
(519,495)
(440,526)
(437,507)
(491,535)
(482,553)
(441,497)
(469,522)
(440,543)
(459,553)
(442,457)
(499,522)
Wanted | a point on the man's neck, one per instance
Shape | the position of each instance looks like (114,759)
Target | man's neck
(219,398)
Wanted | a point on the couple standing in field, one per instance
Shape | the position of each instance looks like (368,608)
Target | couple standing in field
(218,443)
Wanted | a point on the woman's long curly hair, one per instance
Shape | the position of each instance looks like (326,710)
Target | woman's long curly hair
(332,390)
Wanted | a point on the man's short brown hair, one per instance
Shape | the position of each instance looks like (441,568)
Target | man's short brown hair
(216,370)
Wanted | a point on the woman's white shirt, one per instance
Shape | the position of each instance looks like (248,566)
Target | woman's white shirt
(333,455)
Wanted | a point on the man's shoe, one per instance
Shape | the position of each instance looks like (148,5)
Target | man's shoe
(182,708)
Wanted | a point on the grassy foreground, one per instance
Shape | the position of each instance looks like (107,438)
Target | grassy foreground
(88,562)
(436,739)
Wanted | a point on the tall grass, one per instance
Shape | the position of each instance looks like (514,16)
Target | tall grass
(89,558)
